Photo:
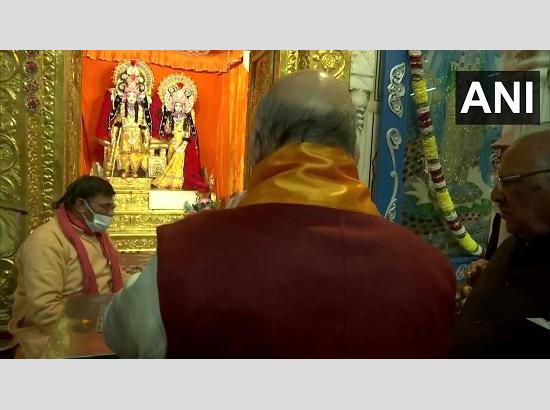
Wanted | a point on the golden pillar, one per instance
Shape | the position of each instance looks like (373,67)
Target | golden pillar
(333,62)
(40,133)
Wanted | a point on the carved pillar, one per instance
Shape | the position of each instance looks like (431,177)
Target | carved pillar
(264,69)
(72,97)
(40,133)
(16,88)
(362,86)
(12,149)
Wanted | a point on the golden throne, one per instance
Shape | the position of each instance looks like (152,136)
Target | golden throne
(157,157)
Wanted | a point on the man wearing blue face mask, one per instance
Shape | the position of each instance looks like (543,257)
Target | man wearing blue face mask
(69,255)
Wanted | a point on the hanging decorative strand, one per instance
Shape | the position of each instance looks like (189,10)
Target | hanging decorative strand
(429,147)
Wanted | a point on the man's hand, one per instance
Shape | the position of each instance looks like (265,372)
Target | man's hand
(475,269)
(472,275)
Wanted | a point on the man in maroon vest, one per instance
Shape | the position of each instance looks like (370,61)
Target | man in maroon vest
(303,267)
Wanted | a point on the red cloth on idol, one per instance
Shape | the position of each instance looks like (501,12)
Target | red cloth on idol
(192,177)
(301,281)
(102,130)
(67,224)
(156,118)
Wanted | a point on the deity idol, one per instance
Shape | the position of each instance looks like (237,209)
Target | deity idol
(177,95)
(125,123)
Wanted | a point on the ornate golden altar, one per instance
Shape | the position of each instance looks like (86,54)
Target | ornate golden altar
(140,210)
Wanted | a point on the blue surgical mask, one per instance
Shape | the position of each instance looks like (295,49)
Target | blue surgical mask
(100,223)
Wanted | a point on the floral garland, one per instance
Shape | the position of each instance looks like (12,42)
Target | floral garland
(201,204)
(429,147)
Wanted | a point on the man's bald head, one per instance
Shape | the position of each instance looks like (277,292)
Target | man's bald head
(306,106)
(530,151)
(311,89)
(524,193)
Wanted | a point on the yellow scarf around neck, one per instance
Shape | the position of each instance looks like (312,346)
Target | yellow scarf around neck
(310,174)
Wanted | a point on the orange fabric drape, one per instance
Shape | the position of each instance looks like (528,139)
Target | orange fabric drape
(220,114)
(232,131)
(213,61)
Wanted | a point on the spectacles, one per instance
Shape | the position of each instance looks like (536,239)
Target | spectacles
(501,181)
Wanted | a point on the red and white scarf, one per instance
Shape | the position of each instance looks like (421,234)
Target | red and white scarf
(68,223)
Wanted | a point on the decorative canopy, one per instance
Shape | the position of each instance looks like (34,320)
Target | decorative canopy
(211,61)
